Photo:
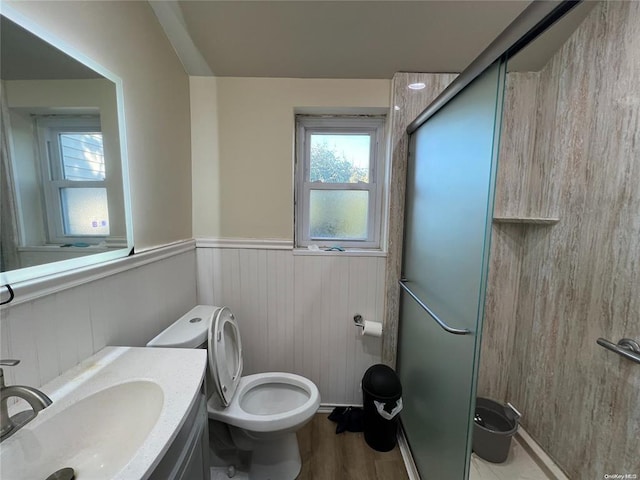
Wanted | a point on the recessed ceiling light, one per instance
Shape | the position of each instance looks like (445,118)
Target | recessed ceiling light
(396,107)
(416,86)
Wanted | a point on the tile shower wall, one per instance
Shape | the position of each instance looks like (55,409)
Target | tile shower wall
(53,333)
(569,149)
(406,105)
(580,278)
(577,280)
(295,312)
(507,240)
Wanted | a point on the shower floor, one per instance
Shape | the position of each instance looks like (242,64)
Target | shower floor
(522,464)
(526,461)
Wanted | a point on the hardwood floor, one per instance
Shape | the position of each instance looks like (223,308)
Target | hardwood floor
(327,456)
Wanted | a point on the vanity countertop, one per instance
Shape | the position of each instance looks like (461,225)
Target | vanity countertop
(177,372)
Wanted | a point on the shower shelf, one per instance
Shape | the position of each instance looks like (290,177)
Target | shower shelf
(527,220)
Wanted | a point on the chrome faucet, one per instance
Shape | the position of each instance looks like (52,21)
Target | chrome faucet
(35,398)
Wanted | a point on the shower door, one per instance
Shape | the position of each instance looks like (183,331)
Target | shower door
(448,213)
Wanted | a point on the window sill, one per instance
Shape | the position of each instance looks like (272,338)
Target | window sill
(348,252)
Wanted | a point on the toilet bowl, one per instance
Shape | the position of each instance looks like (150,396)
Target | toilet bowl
(262,411)
(268,402)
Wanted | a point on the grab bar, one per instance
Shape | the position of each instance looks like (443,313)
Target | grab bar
(626,347)
(455,331)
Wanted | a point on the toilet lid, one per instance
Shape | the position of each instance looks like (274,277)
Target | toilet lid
(225,354)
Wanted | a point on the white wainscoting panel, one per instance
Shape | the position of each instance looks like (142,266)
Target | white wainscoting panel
(55,332)
(295,312)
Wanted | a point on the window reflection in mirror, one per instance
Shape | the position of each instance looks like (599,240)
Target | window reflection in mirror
(62,202)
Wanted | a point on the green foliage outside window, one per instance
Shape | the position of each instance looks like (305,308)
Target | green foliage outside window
(330,166)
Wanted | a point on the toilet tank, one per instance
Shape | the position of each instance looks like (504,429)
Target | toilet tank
(189,331)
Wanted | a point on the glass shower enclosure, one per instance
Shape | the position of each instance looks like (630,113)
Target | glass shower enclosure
(448,213)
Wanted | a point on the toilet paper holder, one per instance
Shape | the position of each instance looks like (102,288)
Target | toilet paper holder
(367,328)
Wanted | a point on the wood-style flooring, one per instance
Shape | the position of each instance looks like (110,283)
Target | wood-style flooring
(346,456)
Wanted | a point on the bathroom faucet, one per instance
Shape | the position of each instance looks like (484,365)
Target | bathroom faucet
(35,398)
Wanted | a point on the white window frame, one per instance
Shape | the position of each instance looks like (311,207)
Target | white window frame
(307,125)
(52,173)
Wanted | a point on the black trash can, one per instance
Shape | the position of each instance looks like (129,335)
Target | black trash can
(493,426)
(382,399)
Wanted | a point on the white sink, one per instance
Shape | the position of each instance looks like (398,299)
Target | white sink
(95,436)
(107,420)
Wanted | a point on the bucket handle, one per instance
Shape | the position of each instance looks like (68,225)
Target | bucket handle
(388,415)
(513,413)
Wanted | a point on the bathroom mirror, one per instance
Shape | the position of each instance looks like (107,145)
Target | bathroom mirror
(64,202)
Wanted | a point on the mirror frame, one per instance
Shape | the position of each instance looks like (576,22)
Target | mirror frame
(39,272)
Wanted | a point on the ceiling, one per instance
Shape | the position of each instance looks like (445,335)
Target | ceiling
(27,57)
(311,38)
(342,39)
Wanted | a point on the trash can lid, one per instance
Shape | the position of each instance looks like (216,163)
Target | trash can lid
(381,381)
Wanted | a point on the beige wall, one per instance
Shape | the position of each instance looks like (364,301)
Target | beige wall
(205,156)
(125,38)
(254,155)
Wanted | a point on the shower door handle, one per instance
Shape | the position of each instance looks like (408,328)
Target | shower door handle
(456,331)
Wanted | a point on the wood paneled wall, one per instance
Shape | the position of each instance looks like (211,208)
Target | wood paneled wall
(55,332)
(295,312)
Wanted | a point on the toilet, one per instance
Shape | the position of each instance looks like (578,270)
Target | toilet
(257,415)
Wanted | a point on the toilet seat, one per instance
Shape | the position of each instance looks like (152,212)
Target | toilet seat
(225,354)
(263,402)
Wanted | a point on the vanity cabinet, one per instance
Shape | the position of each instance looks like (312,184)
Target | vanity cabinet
(188,455)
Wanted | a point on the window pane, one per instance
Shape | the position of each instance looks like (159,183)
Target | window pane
(82,156)
(339,214)
(339,158)
(85,211)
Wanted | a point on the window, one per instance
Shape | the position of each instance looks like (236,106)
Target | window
(338,181)
(73,173)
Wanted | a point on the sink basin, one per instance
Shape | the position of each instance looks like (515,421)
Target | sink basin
(114,415)
(96,435)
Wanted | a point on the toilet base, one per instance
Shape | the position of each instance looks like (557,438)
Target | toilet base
(276,459)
